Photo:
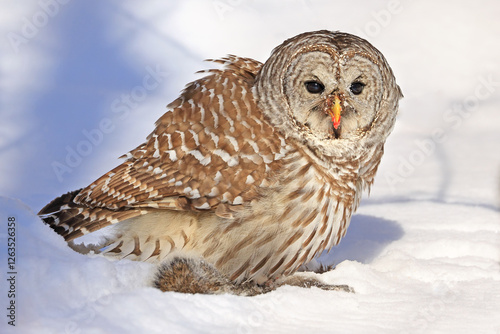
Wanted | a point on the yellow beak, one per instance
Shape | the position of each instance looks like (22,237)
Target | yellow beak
(335,111)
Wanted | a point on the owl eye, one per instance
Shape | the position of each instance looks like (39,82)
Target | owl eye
(357,87)
(314,87)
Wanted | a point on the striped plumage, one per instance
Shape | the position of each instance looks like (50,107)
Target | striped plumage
(246,170)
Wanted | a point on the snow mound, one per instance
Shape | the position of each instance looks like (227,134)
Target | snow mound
(412,273)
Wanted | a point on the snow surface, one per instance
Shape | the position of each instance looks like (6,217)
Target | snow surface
(422,252)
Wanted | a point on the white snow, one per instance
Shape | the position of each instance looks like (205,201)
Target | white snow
(87,82)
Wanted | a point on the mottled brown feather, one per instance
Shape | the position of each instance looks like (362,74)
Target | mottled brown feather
(142,177)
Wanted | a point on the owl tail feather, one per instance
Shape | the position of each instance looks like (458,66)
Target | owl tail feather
(72,220)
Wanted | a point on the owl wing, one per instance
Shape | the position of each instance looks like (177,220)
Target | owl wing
(210,151)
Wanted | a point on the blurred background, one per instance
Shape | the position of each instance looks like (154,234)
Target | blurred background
(82,82)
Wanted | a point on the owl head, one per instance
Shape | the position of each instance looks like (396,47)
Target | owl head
(327,89)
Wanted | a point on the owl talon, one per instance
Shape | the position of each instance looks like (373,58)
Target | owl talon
(198,276)
(309,282)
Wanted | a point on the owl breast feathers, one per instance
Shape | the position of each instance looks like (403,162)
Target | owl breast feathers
(255,168)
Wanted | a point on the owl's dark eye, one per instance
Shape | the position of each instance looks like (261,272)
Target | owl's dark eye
(314,87)
(357,87)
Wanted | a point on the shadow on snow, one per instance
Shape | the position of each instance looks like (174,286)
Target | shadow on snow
(366,237)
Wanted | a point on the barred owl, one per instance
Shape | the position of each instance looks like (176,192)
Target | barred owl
(253,171)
